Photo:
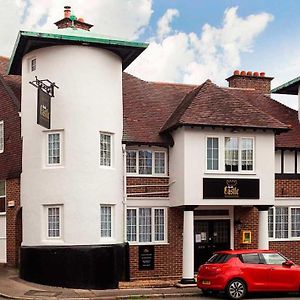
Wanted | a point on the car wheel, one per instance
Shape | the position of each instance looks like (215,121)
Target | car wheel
(236,289)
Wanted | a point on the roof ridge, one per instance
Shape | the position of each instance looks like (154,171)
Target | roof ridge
(183,105)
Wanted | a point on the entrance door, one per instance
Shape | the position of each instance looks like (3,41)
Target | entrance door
(210,236)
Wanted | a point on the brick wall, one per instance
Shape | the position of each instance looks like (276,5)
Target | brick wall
(262,84)
(287,188)
(148,189)
(168,258)
(13,221)
(249,219)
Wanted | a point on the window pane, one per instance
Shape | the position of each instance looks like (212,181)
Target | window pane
(53,222)
(131,225)
(271,222)
(281,222)
(251,258)
(105,221)
(273,258)
(105,149)
(1,136)
(159,162)
(145,225)
(159,224)
(295,230)
(145,162)
(131,161)
(212,154)
(53,148)
(2,188)
(231,154)
(247,154)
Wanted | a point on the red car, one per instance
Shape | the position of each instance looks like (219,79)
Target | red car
(240,271)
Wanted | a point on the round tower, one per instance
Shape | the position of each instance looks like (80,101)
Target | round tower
(72,170)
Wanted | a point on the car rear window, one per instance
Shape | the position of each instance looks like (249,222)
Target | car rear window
(219,258)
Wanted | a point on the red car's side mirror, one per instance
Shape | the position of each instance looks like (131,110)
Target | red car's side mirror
(288,263)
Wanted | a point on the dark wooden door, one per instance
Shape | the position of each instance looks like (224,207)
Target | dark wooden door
(210,236)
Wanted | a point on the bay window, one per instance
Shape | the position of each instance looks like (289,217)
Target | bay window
(146,225)
(146,162)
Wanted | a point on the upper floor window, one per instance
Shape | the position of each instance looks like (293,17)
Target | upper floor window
(247,154)
(105,149)
(146,225)
(284,222)
(54,148)
(212,153)
(2,196)
(146,162)
(231,154)
(1,136)
(33,64)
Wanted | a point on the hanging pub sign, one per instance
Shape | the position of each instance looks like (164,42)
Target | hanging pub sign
(230,188)
(43,109)
(45,92)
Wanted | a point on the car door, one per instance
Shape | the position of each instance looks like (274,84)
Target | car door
(254,272)
(281,278)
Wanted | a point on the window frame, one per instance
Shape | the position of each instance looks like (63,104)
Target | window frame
(2,136)
(153,173)
(60,208)
(221,155)
(153,233)
(112,220)
(289,235)
(61,141)
(111,135)
(4,197)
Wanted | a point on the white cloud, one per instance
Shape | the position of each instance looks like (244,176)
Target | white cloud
(122,18)
(163,25)
(192,58)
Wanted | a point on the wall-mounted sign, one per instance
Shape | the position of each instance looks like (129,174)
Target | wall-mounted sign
(231,188)
(146,257)
(44,109)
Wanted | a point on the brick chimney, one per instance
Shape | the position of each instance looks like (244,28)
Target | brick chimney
(72,21)
(249,80)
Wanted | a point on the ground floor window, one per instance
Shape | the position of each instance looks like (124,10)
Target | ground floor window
(146,225)
(106,212)
(54,221)
(2,197)
(284,222)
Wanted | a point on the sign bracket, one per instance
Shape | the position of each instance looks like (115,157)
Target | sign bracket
(45,85)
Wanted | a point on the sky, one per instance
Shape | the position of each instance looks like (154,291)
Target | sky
(189,40)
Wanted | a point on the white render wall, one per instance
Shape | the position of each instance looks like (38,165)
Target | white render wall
(89,100)
(188,166)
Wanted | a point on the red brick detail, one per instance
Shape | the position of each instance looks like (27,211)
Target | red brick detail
(290,249)
(13,221)
(287,187)
(147,181)
(249,219)
(262,84)
(168,258)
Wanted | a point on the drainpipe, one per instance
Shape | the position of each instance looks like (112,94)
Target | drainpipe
(124,194)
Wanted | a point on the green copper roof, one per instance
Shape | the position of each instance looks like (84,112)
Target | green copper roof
(28,41)
(290,87)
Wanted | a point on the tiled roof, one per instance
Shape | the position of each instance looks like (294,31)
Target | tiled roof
(289,116)
(210,105)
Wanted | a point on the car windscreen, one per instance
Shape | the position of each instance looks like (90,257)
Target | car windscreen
(219,258)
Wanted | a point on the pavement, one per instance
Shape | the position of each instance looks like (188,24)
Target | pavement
(12,287)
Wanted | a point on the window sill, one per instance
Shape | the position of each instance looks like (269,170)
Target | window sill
(150,243)
(2,213)
(297,239)
(229,173)
(50,167)
(146,175)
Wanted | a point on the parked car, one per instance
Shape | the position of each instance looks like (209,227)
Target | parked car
(237,272)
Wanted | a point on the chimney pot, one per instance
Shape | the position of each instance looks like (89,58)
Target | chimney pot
(236,72)
(80,20)
(243,73)
(67,11)
(249,73)
(262,74)
(255,74)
